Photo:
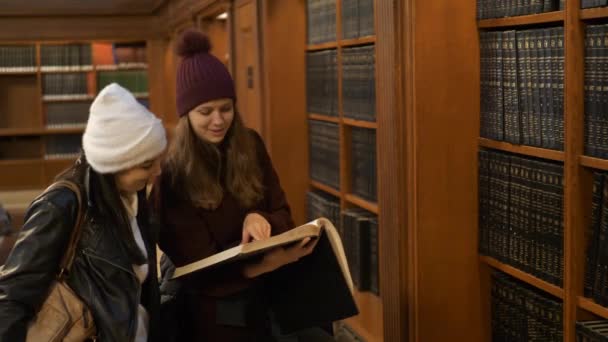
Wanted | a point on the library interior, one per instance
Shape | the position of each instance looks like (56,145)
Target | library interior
(455,145)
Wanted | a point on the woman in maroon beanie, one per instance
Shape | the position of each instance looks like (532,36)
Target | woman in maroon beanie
(219,189)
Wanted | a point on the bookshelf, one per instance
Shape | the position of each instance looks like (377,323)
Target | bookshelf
(523,20)
(46,88)
(578,167)
(339,119)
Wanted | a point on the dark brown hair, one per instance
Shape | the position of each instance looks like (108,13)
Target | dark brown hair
(105,195)
(196,170)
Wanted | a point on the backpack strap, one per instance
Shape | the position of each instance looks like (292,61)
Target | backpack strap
(70,253)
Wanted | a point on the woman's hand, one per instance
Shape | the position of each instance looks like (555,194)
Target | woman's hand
(280,256)
(255,226)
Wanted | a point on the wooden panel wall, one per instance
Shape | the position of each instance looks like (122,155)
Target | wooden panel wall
(81,27)
(285,102)
(444,114)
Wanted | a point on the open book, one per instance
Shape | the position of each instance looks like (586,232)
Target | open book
(312,229)
(313,291)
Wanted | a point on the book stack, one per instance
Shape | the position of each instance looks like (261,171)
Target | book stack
(522,87)
(521,218)
(324,153)
(359,83)
(357,18)
(322,82)
(487,9)
(523,313)
(359,233)
(364,175)
(321,21)
(17,58)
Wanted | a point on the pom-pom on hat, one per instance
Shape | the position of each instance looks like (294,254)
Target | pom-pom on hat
(201,77)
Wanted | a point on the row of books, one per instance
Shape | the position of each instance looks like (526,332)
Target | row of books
(487,9)
(593,3)
(321,15)
(364,175)
(324,139)
(130,54)
(596,91)
(523,313)
(67,114)
(135,81)
(522,86)
(596,269)
(592,331)
(62,146)
(358,230)
(322,82)
(357,18)
(65,84)
(71,57)
(359,83)
(17,58)
(521,220)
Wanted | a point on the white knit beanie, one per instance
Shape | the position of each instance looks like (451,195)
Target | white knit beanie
(121,133)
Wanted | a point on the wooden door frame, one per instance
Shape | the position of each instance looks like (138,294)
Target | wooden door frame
(396,167)
(257,36)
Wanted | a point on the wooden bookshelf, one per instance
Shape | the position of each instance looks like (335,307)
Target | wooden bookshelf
(365,204)
(594,13)
(591,306)
(8,132)
(23,135)
(523,276)
(369,323)
(524,20)
(18,73)
(326,188)
(325,118)
(322,46)
(595,163)
(360,123)
(357,41)
(522,149)
(78,98)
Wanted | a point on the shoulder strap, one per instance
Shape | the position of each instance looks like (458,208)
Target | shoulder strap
(68,257)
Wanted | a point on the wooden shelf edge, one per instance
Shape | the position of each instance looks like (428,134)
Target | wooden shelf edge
(359,330)
(523,276)
(29,161)
(13,132)
(367,205)
(325,188)
(530,19)
(357,41)
(595,163)
(322,117)
(322,46)
(594,13)
(360,123)
(521,149)
(591,306)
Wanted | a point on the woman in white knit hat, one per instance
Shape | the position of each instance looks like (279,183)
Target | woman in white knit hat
(113,271)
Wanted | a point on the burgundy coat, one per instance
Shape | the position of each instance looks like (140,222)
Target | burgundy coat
(190,233)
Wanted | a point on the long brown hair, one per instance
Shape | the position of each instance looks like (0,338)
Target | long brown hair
(196,171)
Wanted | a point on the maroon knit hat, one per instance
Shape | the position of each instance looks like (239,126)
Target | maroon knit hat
(201,77)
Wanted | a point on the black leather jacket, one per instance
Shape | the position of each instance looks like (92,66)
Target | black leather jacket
(102,273)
